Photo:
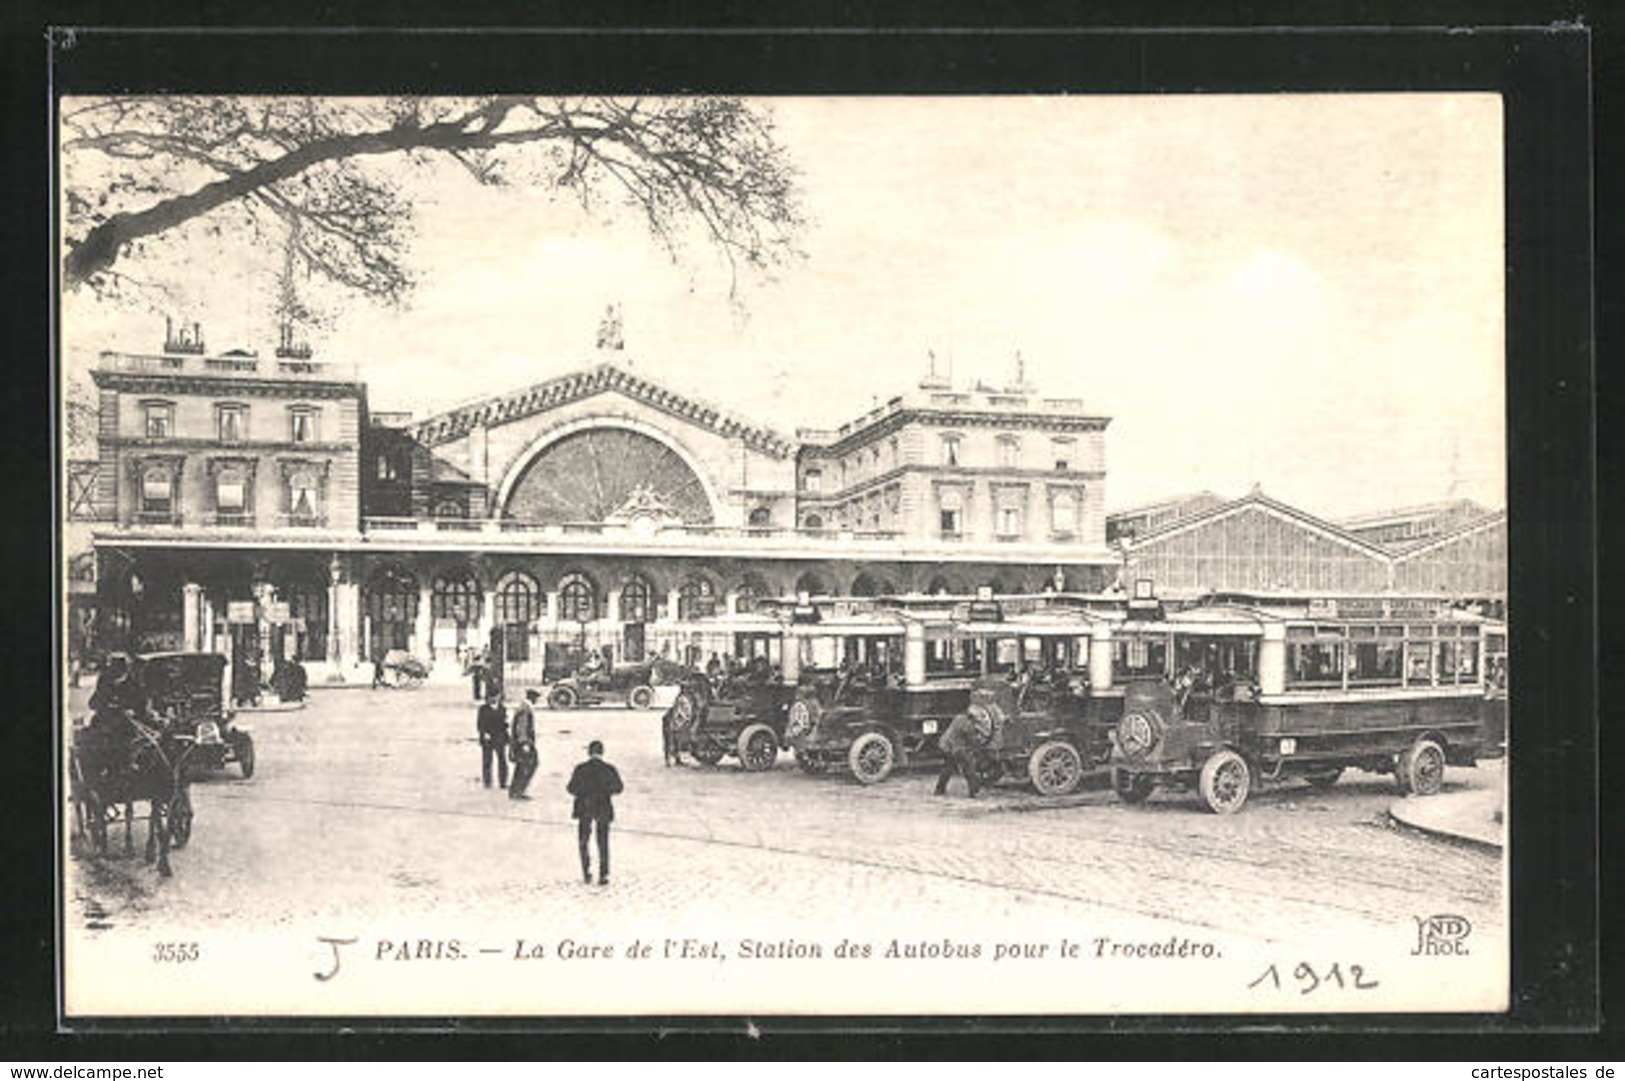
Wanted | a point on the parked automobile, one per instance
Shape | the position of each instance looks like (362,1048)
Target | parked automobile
(744,715)
(1230,696)
(632,685)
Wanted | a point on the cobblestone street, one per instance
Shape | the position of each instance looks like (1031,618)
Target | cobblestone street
(367,811)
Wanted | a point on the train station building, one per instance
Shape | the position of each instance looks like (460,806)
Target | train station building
(258,503)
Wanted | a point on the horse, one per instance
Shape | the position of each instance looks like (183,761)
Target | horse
(121,759)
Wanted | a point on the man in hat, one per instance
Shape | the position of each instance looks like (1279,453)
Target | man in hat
(492,725)
(524,745)
(593,783)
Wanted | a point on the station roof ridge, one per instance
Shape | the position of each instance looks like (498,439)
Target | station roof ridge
(1257,498)
(603,375)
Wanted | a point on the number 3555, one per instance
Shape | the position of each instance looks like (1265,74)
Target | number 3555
(175,952)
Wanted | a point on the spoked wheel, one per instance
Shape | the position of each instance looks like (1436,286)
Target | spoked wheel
(1225,782)
(685,711)
(180,819)
(1055,768)
(640,697)
(562,698)
(1421,768)
(872,757)
(708,751)
(1133,787)
(758,748)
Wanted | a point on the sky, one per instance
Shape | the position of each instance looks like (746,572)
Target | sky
(1300,292)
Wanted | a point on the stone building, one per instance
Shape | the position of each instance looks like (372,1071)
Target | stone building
(257,505)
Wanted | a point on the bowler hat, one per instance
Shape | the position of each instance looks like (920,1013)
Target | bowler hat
(595,747)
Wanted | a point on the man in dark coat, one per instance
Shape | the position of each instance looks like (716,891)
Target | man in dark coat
(594,783)
(524,745)
(492,724)
(961,753)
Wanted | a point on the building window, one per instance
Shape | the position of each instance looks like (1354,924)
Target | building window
(751,588)
(813,480)
(696,599)
(1009,452)
(896,452)
(231,423)
(952,512)
(160,419)
(304,497)
(637,600)
(307,605)
(813,521)
(1009,522)
(761,516)
(456,598)
(157,492)
(302,424)
(231,496)
(518,599)
(578,600)
(388,468)
(450,508)
(1061,465)
(1064,511)
(950,450)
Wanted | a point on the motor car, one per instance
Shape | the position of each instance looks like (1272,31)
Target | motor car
(631,685)
(1220,699)
(743,715)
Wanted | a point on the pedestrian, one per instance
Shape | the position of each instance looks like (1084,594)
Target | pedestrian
(492,724)
(960,754)
(524,745)
(476,671)
(670,745)
(594,783)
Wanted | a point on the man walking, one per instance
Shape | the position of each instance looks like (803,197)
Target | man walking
(960,752)
(524,745)
(593,783)
(493,729)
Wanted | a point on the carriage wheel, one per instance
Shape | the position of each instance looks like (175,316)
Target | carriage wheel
(562,698)
(245,756)
(1224,782)
(640,697)
(871,758)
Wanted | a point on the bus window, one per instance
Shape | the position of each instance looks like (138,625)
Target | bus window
(1140,656)
(1377,656)
(1314,657)
(1418,663)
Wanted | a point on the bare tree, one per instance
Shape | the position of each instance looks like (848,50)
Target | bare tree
(303,170)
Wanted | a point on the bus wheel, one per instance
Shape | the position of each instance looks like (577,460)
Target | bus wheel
(1224,782)
(1421,768)
(1055,768)
(871,758)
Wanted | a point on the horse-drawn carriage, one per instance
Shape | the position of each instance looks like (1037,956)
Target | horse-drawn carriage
(399,669)
(158,721)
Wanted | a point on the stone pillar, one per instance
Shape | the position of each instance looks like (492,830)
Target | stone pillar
(673,604)
(551,616)
(423,632)
(192,617)
(1100,658)
(914,655)
(345,639)
(488,617)
(1272,660)
(730,602)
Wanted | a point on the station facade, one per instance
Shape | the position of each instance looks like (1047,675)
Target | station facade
(257,505)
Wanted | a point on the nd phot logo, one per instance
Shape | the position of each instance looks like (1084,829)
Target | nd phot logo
(1443,935)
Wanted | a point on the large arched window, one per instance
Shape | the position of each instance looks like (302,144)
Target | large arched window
(812,584)
(1064,510)
(637,600)
(813,521)
(864,585)
(392,606)
(751,588)
(578,599)
(307,606)
(519,599)
(456,598)
(761,516)
(696,598)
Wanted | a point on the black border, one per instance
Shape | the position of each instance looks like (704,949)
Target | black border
(1544,76)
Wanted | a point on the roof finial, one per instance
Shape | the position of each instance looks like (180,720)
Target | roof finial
(609,330)
(932,380)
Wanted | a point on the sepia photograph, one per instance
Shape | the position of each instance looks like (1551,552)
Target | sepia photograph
(783,556)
